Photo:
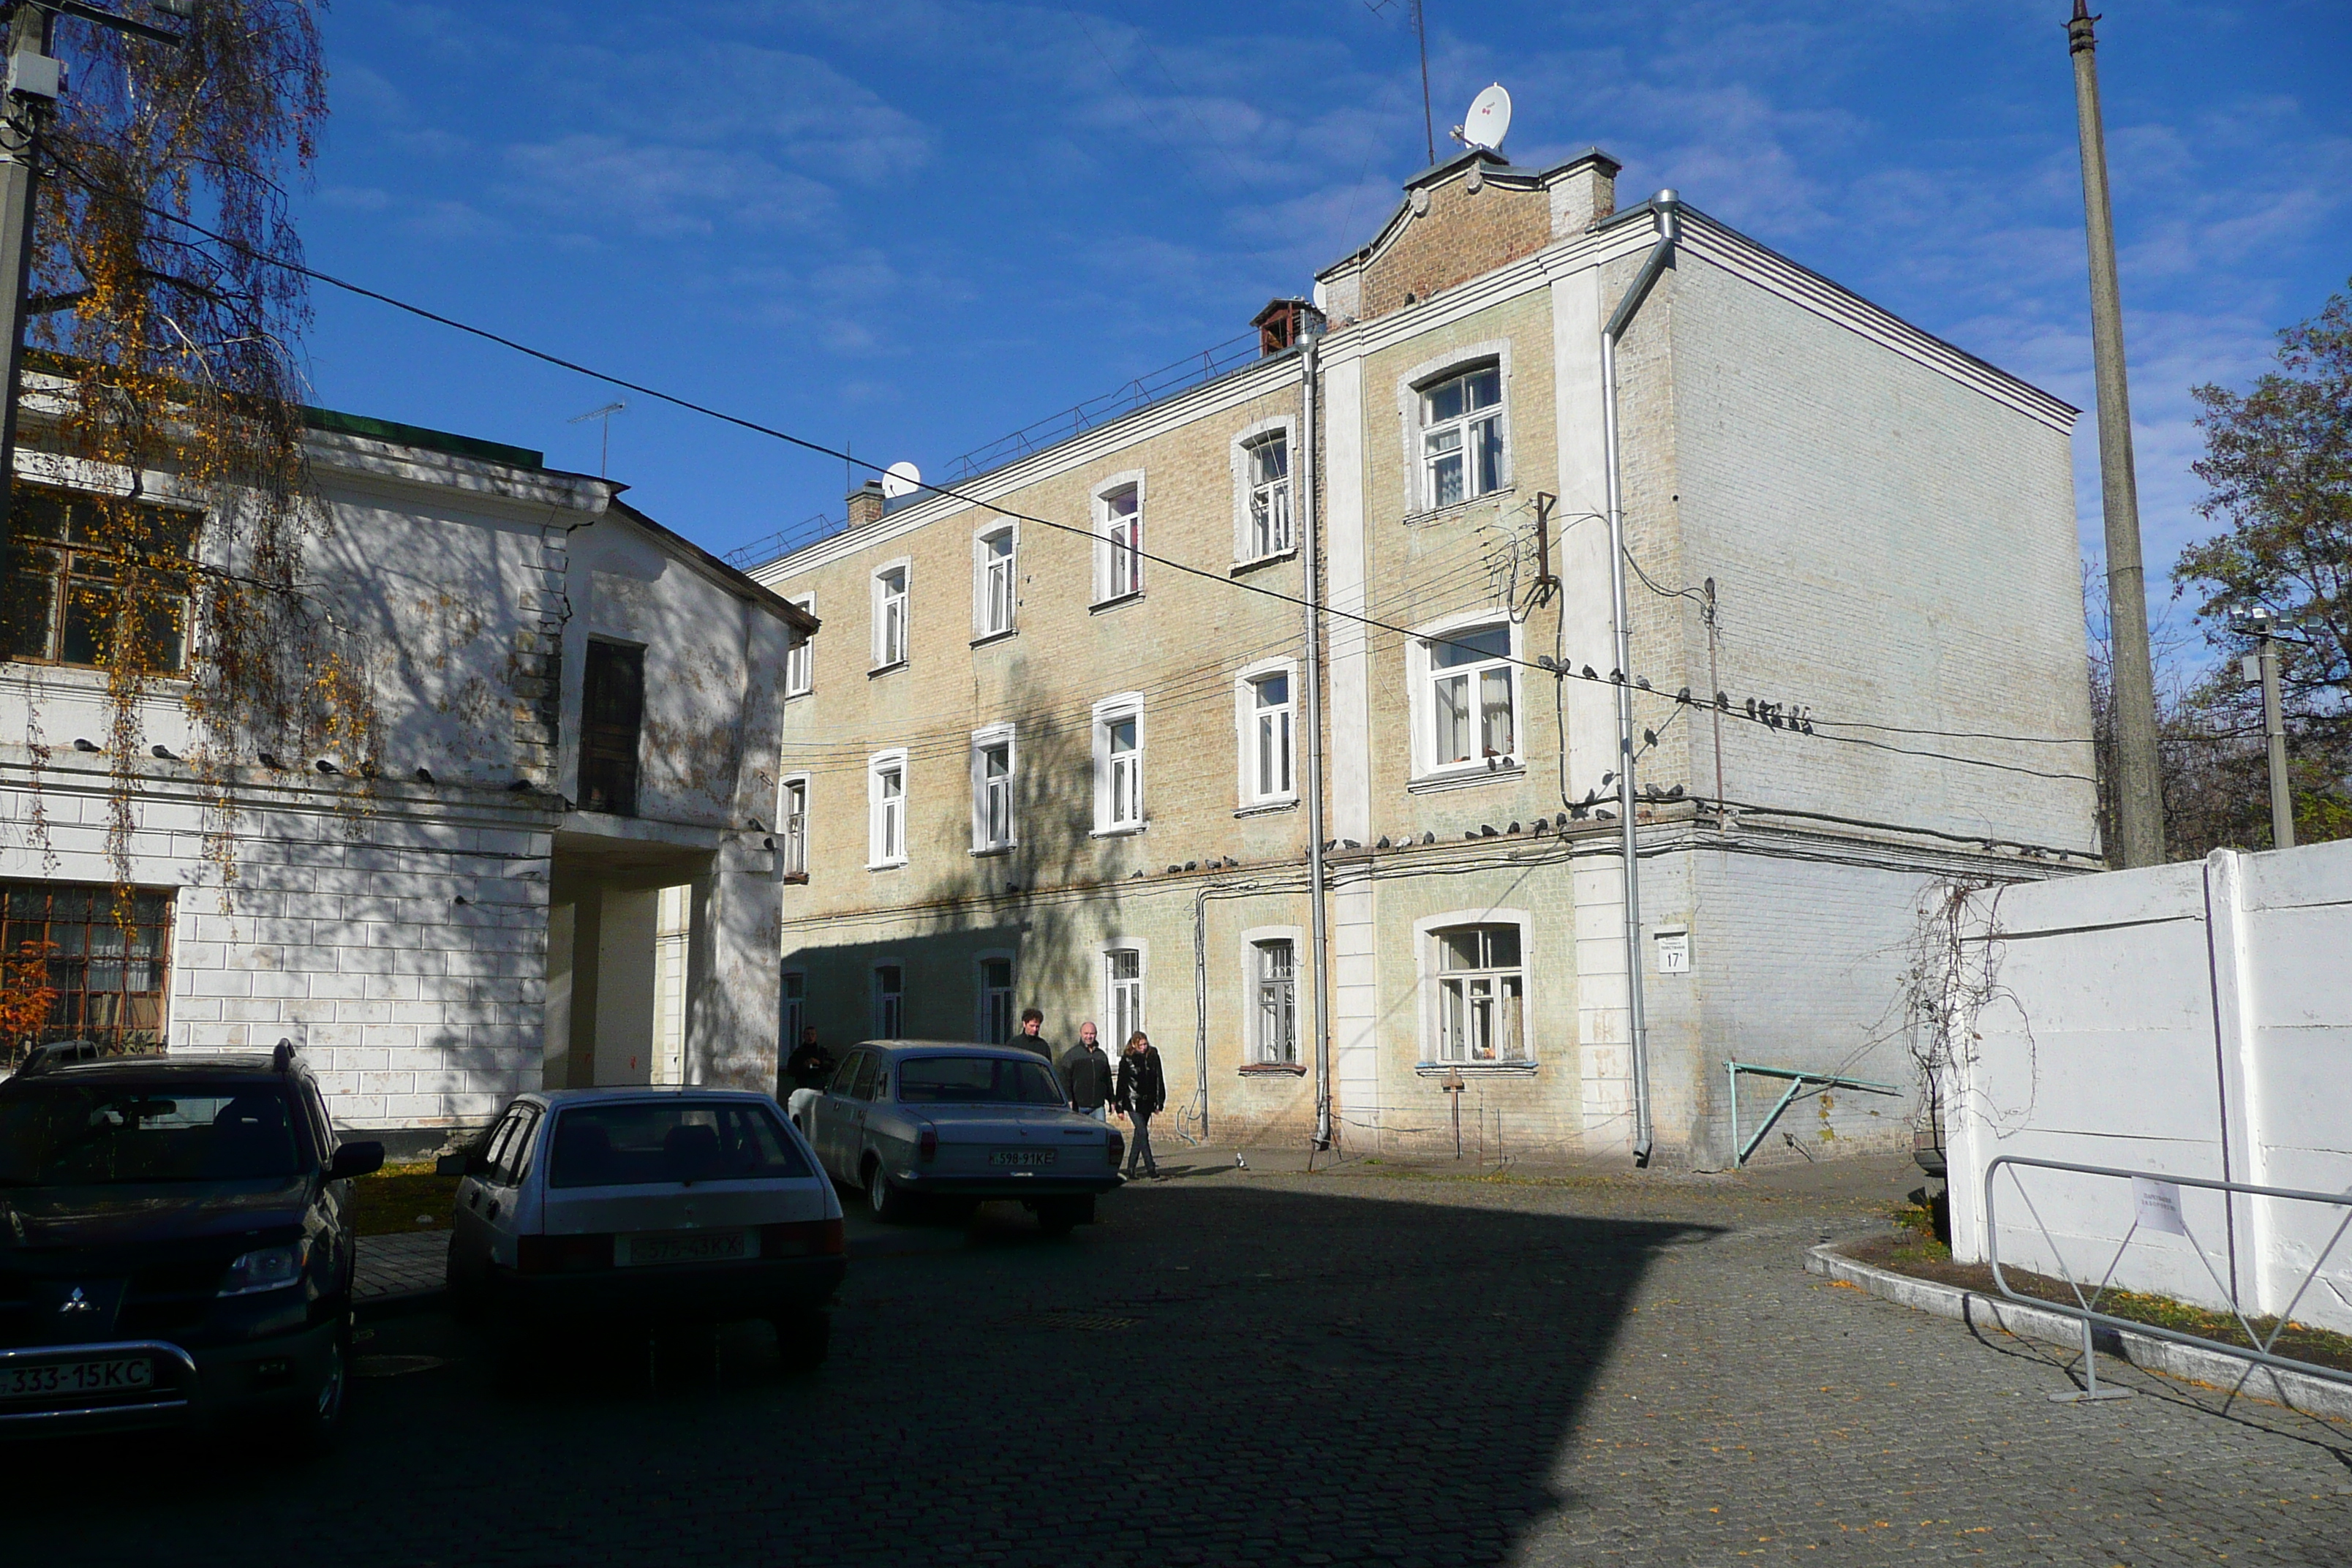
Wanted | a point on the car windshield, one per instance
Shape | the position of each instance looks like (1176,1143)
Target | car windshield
(56,1132)
(652,1142)
(976,1081)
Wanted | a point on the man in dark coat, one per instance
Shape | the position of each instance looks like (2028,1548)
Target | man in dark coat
(1032,1037)
(1086,1073)
(811,1066)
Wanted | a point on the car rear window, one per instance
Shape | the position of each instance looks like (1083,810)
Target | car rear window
(653,1143)
(976,1081)
(60,1133)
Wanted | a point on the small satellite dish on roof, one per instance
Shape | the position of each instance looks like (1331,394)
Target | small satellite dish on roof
(900,479)
(1488,121)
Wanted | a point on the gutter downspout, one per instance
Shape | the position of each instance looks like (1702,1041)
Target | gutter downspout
(1310,529)
(1653,266)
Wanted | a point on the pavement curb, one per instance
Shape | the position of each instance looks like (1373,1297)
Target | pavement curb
(2296,1391)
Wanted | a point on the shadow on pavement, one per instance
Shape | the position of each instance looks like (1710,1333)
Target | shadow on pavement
(1217,1374)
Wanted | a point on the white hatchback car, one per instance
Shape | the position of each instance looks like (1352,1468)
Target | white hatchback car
(649,1205)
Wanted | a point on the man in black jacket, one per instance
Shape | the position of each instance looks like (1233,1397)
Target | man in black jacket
(1086,1071)
(811,1066)
(1032,1037)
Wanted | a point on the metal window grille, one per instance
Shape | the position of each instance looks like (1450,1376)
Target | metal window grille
(108,962)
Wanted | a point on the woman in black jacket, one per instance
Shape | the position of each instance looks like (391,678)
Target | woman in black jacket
(1142,1091)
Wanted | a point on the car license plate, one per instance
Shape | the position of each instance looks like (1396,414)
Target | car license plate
(682,1247)
(1024,1156)
(121,1374)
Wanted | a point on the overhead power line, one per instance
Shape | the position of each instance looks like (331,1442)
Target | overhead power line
(952,493)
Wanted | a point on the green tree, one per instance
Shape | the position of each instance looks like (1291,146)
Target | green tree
(2278,472)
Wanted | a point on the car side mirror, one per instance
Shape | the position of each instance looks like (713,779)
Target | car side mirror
(355,1160)
(477,1164)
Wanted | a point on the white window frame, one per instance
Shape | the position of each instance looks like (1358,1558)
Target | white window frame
(1252,941)
(885,1027)
(982,996)
(1246,441)
(995,582)
(1119,567)
(984,840)
(1432,1045)
(1427,376)
(1422,674)
(791,827)
(1120,804)
(800,659)
(1246,737)
(880,830)
(893,613)
(1114,1037)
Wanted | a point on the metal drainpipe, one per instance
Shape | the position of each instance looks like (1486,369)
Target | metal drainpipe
(1653,265)
(1310,531)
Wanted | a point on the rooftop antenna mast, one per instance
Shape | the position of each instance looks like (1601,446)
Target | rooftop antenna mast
(1428,120)
(603,441)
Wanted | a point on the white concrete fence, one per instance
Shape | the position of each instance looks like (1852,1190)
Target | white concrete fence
(2191,1020)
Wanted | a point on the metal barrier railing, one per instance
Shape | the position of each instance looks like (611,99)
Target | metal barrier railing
(1797,1081)
(2156,1206)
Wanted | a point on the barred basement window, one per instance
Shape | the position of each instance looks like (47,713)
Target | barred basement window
(109,973)
(62,597)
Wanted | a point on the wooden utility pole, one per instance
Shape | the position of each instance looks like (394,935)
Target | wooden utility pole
(2139,797)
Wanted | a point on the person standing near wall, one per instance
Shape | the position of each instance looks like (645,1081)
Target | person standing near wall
(1032,1037)
(1086,1074)
(810,1066)
(1142,1090)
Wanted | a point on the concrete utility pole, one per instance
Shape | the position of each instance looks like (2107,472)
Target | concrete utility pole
(2139,797)
(29,69)
(2263,627)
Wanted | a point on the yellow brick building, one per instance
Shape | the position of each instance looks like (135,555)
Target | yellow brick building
(1057,743)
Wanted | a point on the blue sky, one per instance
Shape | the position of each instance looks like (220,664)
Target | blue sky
(917,225)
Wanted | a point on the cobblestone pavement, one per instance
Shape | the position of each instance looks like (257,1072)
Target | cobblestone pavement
(400,1265)
(1265,1368)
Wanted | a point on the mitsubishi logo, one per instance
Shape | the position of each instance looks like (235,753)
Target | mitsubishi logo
(77,1303)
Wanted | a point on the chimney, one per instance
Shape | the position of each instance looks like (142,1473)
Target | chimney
(866,504)
(1284,324)
(1584,192)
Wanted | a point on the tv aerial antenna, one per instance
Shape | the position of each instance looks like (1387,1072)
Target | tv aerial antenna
(1488,121)
(604,441)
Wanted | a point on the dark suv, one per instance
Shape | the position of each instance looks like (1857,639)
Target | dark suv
(176,1245)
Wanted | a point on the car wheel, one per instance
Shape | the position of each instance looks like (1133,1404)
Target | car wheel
(890,1205)
(318,1421)
(803,1339)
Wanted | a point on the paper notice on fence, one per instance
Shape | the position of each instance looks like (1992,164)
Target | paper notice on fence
(2159,1204)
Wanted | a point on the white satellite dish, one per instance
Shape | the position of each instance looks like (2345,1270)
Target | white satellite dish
(1488,121)
(900,479)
